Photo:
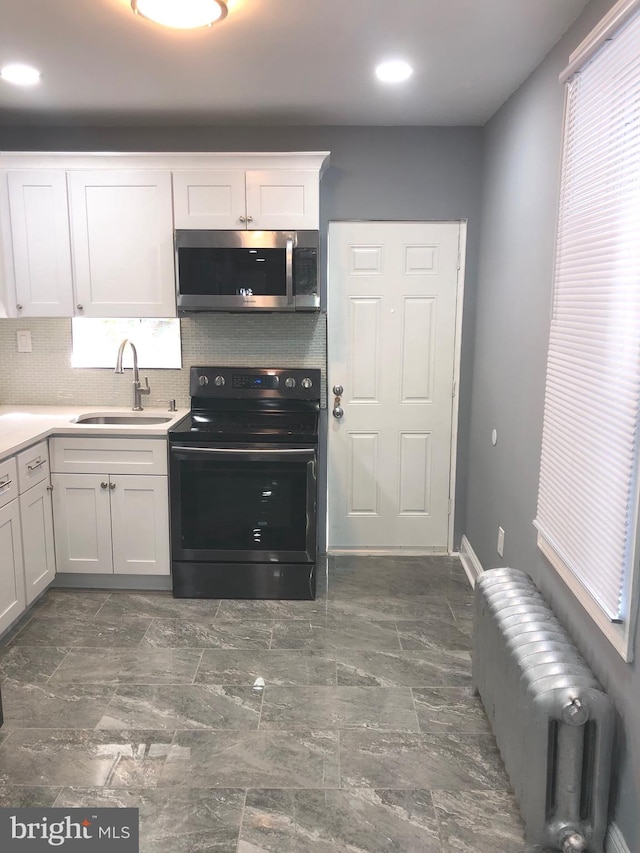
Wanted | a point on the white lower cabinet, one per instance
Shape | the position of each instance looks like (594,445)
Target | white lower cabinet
(27,555)
(37,539)
(140,525)
(109,522)
(36,517)
(82,523)
(12,595)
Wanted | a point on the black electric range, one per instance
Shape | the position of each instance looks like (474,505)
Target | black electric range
(243,483)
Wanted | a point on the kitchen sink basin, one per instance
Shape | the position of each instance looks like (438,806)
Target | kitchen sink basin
(122,419)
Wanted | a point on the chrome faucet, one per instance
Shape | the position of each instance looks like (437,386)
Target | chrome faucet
(138,391)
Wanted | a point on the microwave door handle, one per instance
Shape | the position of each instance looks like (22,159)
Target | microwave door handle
(289,271)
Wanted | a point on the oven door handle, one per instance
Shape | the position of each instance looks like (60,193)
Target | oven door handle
(309,451)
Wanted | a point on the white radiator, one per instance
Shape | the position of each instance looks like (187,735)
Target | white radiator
(552,721)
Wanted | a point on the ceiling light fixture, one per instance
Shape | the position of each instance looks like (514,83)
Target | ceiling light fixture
(21,75)
(181,14)
(394,71)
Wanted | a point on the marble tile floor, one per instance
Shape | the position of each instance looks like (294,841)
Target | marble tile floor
(365,737)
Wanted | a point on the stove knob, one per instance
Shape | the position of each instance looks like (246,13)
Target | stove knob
(203,380)
(290,382)
(219,381)
(306,383)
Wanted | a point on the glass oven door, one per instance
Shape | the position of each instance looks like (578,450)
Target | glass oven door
(243,504)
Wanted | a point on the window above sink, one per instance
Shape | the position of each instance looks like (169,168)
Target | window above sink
(96,341)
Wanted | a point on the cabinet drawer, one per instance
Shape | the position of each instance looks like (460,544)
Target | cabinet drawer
(8,480)
(33,466)
(109,455)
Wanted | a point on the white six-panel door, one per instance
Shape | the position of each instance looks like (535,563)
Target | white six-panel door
(392,322)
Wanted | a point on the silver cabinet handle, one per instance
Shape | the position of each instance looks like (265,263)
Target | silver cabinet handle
(104,485)
(49,488)
(19,307)
(6,484)
(37,464)
(112,486)
(80,307)
(243,219)
(249,218)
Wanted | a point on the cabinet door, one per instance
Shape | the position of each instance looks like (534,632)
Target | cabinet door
(140,525)
(283,199)
(41,245)
(209,199)
(37,539)
(122,237)
(82,523)
(12,600)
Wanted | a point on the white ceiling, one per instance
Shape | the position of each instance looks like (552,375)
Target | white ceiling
(276,61)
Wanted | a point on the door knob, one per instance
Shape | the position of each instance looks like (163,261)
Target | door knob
(337,390)
(338,412)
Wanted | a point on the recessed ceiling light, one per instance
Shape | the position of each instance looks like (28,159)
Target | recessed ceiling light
(21,75)
(181,14)
(394,71)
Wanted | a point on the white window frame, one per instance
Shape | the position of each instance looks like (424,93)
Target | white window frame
(620,633)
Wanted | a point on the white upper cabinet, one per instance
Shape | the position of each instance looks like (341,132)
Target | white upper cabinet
(209,199)
(233,199)
(122,238)
(91,235)
(283,200)
(39,226)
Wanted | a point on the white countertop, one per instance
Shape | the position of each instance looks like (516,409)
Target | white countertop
(21,426)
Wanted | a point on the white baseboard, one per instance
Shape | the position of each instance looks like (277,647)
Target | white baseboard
(359,551)
(614,842)
(470,562)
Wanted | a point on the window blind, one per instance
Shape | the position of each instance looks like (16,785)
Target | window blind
(588,491)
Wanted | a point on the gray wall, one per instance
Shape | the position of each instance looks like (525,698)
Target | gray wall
(520,180)
(374,173)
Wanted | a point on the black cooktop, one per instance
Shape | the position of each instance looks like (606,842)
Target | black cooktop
(239,404)
(246,426)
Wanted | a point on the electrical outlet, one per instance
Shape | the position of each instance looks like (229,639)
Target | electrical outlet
(24,341)
(500,547)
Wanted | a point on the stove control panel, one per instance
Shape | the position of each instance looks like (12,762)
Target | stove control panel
(255,383)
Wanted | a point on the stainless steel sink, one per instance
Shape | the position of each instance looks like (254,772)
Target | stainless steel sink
(122,419)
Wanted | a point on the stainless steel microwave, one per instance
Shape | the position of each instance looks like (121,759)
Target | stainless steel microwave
(247,270)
